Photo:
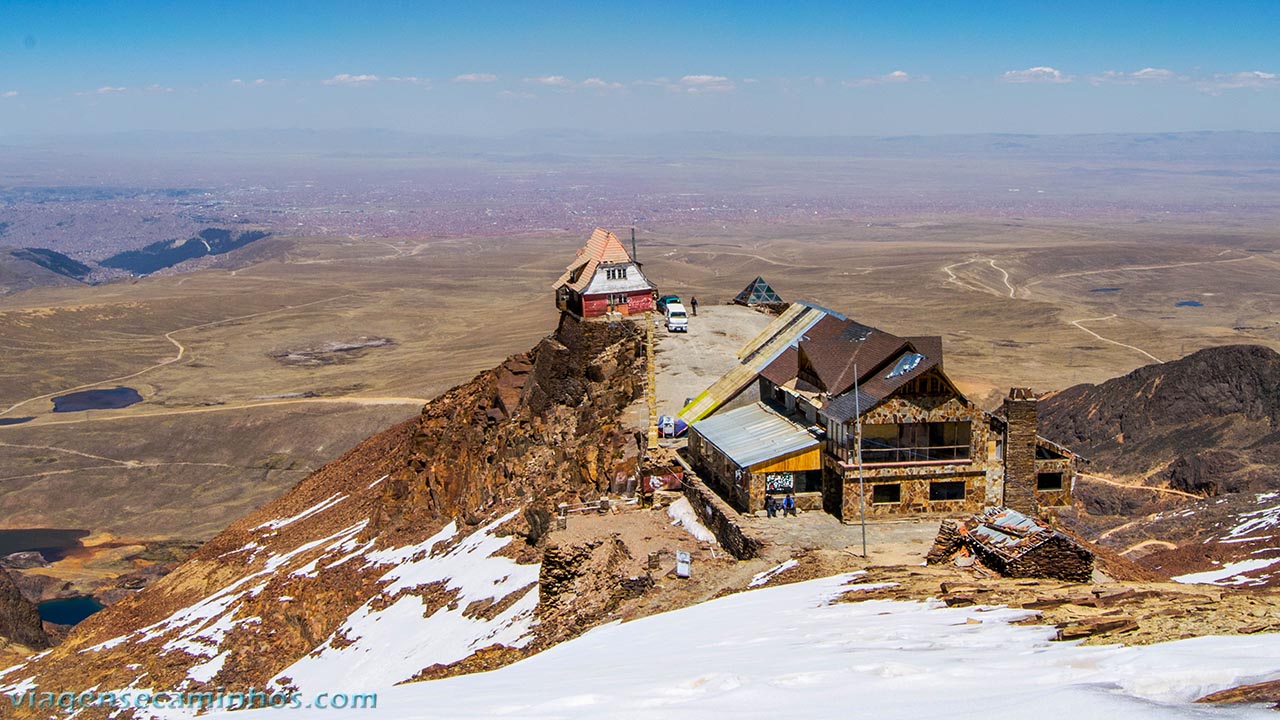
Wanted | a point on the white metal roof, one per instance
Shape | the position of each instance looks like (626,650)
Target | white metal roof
(602,284)
(754,434)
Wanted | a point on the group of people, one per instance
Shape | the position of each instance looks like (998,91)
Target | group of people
(786,505)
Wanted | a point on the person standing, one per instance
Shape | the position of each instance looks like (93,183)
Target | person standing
(693,305)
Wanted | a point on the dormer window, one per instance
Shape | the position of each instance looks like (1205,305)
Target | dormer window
(616,273)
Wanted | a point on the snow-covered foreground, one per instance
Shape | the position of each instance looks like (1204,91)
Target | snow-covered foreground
(789,652)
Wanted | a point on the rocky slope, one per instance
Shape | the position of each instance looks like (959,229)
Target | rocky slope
(1189,451)
(414,554)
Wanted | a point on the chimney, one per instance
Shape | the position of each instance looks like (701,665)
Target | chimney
(1020,452)
(633,246)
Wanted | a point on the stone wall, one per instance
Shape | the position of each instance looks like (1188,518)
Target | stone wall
(1056,498)
(721,520)
(1020,452)
(915,478)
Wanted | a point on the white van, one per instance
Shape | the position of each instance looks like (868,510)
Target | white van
(677,318)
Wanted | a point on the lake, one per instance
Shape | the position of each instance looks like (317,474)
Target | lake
(112,399)
(68,611)
(1188,303)
(52,543)
(15,421)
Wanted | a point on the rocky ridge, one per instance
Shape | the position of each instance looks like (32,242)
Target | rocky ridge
(391,528)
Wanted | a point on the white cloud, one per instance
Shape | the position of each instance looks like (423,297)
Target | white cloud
(259,82)
(1255,79)
(475,78)
(109,90)
(1038,74)
(411,80)
(696,84)
(551,80)
(348,79)
(890,78)
(156,87)
(517,95)
(1152,74)
(9,94)
(1145,75)
(598,84)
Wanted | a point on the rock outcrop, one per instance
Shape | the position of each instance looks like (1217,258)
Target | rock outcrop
(19,619)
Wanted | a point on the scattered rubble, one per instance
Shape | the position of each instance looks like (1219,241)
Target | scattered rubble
(1013,545)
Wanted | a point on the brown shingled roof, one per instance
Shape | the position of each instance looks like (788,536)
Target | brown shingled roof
(602,247)
(834,346)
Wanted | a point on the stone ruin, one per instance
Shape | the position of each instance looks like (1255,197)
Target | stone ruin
(1013,545)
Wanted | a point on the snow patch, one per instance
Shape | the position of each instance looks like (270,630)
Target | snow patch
(788,651)
(767,575)
(683,514)
(1229,574)
(396,635)
(321,506)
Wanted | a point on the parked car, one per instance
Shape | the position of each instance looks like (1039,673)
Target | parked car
(666,300)
(677,318)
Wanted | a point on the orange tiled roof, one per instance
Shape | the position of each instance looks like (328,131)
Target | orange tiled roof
(602,247)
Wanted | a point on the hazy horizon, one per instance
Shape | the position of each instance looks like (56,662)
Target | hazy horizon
(809,69)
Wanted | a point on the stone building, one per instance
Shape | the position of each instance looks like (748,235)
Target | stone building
(1013,545)
(896,428)
(604,278)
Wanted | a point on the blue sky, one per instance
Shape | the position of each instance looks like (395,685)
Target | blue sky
(768,67)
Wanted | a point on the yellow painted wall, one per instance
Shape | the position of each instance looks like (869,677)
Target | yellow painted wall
(795,462)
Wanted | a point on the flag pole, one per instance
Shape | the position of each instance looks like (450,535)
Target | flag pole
(862,487)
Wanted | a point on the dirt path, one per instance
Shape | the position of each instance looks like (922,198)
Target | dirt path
(1147,543)
(1117,483)
(1077,323)
(1135,268)
(182,350)
(970,285)
(224,408)
(116,463)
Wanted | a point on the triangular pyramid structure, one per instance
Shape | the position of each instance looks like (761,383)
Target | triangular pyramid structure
(757,292)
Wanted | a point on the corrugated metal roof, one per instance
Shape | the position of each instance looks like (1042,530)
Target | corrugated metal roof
(754,434)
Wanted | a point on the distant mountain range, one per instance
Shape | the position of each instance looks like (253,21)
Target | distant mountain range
(24,268)
(167,253)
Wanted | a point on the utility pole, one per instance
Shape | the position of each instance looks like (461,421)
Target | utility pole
(857,438)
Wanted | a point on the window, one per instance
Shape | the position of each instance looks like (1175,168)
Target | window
(885,494)
(618,299)
(615,273)
(905,364)
(916,442)
(949,490)
(1049,481)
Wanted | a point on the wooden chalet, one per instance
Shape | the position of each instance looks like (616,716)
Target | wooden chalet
(604,278)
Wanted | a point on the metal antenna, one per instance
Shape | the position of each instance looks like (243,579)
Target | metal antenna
(634,258)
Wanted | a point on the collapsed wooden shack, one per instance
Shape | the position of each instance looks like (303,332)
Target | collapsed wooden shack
(1013,545)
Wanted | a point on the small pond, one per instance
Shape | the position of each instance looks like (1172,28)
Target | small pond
(15,420)
(1188,303)
(68,611)
(111,399)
